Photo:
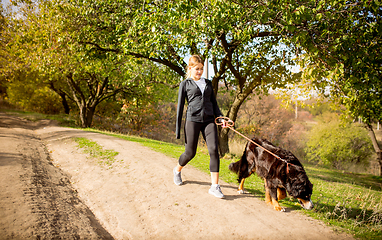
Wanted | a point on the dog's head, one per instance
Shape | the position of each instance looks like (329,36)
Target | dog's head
(300,187)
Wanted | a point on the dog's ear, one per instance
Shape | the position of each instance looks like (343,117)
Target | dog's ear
(299,183)
(251,147)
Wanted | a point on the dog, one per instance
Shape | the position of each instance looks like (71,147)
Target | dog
(281,176)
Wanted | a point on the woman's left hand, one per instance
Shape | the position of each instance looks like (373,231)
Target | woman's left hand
(224,122)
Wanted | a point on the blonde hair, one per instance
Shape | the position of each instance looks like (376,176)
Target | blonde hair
(194,60)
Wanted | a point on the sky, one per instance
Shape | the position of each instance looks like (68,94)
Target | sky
(4,2)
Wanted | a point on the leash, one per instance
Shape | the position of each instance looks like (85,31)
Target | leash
(229,124)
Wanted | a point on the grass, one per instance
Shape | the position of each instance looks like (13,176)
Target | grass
(347,202)
(104,157)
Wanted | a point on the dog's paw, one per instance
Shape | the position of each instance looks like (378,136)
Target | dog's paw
(279,208)
(241,191)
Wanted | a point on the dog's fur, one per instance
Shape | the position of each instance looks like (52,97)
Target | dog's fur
(280,176)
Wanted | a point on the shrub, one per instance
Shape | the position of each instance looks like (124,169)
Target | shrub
(339,145)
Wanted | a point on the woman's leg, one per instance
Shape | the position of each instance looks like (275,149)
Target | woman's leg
(191,130)
(210,134)
(178,168)
(214,177)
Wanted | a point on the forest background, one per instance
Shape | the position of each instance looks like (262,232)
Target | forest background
(116,65)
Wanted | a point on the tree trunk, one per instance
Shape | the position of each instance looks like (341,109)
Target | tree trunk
(86,116)
(65,103)
(380,163)
(376,146)
(232,114)
(223,141)
(62,94)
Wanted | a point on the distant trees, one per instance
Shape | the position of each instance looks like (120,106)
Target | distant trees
(264,117)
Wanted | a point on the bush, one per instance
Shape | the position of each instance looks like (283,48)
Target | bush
(339,145)
(42,100)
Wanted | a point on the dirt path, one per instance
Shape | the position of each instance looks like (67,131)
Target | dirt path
(51,190)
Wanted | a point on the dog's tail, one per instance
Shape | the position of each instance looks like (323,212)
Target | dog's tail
(240,167)
(234,167)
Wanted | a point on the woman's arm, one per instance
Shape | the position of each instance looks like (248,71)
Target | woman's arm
(215,106)
(179,111)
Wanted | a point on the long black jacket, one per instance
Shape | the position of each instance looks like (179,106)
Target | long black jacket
(201,107)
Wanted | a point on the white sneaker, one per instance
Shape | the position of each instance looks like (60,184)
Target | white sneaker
(216,191)
(177,177)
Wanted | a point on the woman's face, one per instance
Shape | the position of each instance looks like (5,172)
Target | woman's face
(196,71)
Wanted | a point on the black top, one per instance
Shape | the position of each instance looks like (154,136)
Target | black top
(201,107)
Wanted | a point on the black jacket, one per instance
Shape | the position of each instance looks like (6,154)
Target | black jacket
(201,107)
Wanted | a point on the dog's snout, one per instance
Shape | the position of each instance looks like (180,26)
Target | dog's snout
(306,204)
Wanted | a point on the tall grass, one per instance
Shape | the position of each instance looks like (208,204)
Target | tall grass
(347,200)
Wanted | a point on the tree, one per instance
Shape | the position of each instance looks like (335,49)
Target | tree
(15,60)
(5,25)
(342,42)
(85,75)
(4,39)
(246,54)
(338,45)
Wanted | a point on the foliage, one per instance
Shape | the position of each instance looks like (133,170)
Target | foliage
(5,38)
(23,91)
(340,42)
(84,75)
(317,107)
(340,58)
(337,145)
(152,115)
(263,116)
(246,55)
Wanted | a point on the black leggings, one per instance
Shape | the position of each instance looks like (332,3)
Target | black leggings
(210,135)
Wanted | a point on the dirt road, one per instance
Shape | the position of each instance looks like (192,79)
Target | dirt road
(51,190)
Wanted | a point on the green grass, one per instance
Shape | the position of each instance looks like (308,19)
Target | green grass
(104,157)
(346,201)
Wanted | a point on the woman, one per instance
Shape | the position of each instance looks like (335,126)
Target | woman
(201,112)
